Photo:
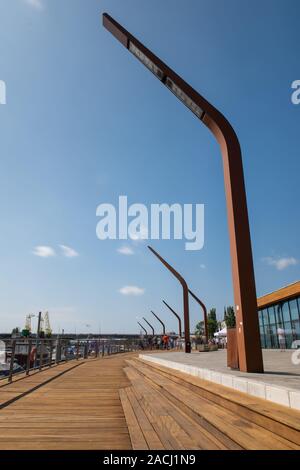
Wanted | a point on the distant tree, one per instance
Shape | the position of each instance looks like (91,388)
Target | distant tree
(199,330)
(212,322)
(229,317)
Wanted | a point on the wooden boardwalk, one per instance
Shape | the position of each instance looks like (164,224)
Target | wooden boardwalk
(122,402)
(79,409)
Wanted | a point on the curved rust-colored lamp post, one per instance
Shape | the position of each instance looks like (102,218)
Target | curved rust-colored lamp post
(143,328)
(203,306)
(157,317)
(177,316)
(248,337)
(189,292)
(186,314)
(149,325)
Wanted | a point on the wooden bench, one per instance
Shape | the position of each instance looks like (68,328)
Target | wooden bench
(188,413)
(279,419)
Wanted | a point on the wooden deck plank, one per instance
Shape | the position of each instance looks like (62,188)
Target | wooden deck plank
(243,432)
(120,402)
(25,384)
(152,439)
(79,410)
(160,412)
(195,435)
(136,435)
(276,418)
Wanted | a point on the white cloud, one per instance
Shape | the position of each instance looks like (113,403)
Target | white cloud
(202,266)
(43,251)
(131,290)
(281,263)
(68,252)
(125,250)
(37,4)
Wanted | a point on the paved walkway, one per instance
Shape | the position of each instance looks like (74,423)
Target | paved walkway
(279,368)
(280,382)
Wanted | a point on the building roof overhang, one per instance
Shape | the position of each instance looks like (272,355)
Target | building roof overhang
(284,293)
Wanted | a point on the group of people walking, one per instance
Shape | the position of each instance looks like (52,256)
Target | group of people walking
(158,342)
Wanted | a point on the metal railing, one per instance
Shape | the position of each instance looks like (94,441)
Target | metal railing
(23,356)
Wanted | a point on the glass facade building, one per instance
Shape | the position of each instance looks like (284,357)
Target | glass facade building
(279,321)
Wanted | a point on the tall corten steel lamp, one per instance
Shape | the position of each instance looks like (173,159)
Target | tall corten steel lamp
(177,316)
(160,321)
(248,337)
(185,292)
(143,328)
(204,309)
(153,333)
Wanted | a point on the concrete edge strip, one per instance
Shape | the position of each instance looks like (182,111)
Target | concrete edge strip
(276,394)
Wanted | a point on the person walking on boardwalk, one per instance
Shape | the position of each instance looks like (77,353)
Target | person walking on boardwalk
(166,341)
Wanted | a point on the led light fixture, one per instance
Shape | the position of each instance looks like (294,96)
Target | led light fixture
(146,61)
(184,98)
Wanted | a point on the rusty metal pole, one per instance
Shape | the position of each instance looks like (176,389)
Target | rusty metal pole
(186,313)
(39,324)
(248,337)
(143,328)
(149,324)
(177,316)
(163,325)
(203,306)
(145,333)
(151,339)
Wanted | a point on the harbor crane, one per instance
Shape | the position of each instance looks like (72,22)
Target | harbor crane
(27,329)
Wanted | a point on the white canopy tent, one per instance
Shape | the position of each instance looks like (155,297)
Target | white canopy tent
(222,333)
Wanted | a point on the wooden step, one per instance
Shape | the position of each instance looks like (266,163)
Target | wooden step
(276,418)
(136,435)
(245,433)
(175,429)
(151,437)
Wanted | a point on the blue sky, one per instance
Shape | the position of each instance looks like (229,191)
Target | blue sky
(85,122)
